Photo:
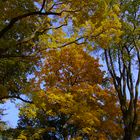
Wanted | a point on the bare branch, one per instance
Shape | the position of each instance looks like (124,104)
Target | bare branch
(55,4)
(124,81)
(69,43)
(119,63)
(43,4)
(112,65)
(16,97)
(138,79)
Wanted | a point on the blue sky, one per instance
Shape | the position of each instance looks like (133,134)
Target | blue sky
(11,112)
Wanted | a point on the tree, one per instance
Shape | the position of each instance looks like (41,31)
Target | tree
(20,47)
(14,63)
(34,28)
(73,102)
(18,38)
(123,62)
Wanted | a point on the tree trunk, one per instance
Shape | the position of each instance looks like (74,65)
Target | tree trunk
(129,132)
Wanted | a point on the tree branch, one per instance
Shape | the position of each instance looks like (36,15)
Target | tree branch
(43,4)
(16,97)
(138,79)
(14,20)
(112,66)
(115,81)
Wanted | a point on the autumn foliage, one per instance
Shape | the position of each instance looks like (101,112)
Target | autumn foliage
(50,59)
(69,86)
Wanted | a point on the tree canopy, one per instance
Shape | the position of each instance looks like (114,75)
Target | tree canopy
(48,60)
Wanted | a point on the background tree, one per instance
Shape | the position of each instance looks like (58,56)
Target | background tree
(123,62)
(71,103)
(13,65)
